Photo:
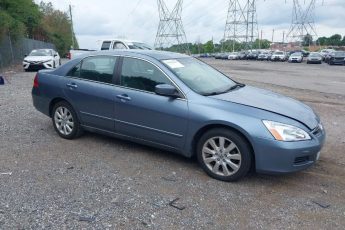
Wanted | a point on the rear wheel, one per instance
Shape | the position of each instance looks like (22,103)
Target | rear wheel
(65,121)
(224,154)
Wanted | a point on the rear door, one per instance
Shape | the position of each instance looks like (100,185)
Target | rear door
(141,113)
(90,88)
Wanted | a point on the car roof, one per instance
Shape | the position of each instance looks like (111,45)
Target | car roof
(159,55)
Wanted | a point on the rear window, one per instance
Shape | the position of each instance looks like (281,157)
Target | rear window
(106,45)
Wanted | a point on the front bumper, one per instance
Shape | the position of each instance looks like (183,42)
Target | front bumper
(38,65)
(314,61)
(276,157)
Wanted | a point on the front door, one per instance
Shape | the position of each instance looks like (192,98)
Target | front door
(141,113)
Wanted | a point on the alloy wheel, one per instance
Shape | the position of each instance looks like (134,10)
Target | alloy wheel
(63,120)
(221,156)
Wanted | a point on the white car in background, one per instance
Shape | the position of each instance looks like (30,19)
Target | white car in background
(278,56)
(41,59)
(233,56)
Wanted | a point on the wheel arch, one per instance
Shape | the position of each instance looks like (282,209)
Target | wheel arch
(53,103)
(208,127)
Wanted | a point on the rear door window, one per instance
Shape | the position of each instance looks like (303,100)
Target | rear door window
(106,45)
(98,68)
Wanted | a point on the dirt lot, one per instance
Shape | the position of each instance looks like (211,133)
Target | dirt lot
(97,182)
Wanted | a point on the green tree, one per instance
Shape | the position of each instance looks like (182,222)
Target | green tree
(208,47)
(23,17)
(335,40)
(307,40)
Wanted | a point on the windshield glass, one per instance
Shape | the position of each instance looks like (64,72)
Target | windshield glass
(139,45)
(339,54)
(40,53)
(279,53)
(199,76)
(296,54)
(314,55)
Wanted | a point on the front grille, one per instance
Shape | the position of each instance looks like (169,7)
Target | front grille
(301,160)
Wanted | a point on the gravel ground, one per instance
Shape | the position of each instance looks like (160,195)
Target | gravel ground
(97,182)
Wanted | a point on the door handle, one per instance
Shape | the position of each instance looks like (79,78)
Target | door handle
(124,97)
(72,85)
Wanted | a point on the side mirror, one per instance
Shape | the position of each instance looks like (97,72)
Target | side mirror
(25,55)
(166,90)
(55,55)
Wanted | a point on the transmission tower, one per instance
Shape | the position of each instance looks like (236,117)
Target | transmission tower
(170,29)
(303,22)
(241,24)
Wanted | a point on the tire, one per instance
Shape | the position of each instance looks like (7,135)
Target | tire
(64,114)
(60,62)
(220,163)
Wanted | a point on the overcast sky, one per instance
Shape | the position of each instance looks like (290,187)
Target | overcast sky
(202,19)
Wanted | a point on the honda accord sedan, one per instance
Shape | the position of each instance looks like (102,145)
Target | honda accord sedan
(182,105)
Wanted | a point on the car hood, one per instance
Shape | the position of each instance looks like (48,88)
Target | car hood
(38,58)
(273,102)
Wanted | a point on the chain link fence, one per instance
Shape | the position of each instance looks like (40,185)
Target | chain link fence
(13,51)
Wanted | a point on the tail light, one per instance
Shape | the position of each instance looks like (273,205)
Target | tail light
(36,81)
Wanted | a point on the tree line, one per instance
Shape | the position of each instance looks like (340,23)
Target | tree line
(24,18)
(223,46)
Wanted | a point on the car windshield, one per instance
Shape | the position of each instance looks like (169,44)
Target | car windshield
(279,53)
(199,76)
(314,55)
(339,54)
(139,45)
(40,53)
(296,54)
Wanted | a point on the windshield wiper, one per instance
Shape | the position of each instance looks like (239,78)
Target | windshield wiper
(237,85)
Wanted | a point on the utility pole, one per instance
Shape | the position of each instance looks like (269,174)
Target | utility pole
(170,29)
(72,31)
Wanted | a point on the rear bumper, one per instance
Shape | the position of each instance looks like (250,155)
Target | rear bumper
(39,102)
(276,157)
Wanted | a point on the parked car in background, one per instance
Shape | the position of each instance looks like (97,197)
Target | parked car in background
(304,52)
(278,56)
(253,55)
(315,58)
(233,56)
(242,55)
(296,57)
(224,56)
(263,56)
(111,44)
(325,53)
(180,104)
(336,58)
(41,59)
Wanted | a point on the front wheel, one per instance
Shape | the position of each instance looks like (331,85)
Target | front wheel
(65,121)
(224,154)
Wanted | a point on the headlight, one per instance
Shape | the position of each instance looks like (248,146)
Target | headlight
(284,132)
